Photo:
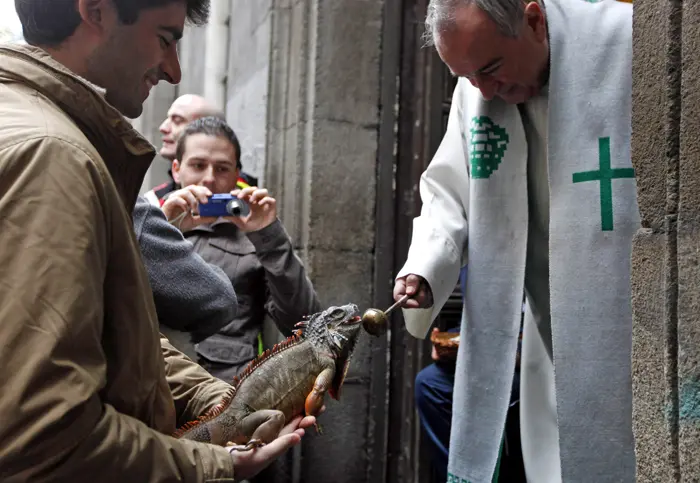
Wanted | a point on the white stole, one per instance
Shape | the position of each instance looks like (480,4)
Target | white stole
(482,216)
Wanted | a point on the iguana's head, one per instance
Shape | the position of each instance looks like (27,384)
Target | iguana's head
(334,332)
(344,325)
(336,329)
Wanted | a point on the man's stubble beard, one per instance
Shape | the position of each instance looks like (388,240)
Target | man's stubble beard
(106,68)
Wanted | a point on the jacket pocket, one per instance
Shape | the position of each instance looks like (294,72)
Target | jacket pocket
(225,350)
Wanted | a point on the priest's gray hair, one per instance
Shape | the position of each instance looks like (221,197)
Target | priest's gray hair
(507,15)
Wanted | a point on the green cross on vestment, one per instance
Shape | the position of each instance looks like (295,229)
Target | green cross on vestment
(605,175)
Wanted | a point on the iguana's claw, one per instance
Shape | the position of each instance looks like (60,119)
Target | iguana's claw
(253,443)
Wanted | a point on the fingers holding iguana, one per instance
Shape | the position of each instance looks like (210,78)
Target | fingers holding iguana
(249,463)
(264,425)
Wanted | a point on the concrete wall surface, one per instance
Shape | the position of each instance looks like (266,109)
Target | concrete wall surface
(666,252)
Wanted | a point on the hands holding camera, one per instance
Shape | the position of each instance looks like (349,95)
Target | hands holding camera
(263,209)
(182,206)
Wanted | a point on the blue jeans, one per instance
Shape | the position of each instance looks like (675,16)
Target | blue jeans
(433,392)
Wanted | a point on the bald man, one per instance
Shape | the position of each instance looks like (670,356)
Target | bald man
(183,111)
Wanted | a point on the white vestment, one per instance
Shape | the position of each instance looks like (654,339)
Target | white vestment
(541,199)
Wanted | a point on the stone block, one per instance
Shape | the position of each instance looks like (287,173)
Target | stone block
(192,46)
(280,24)
(343,197)
(688,253)
(652,388)
(689,347)
(249,47)
(341,277)
(339,454)
(246,112)
(690,119)
(155,110)
(347,71)
(653,140)
(247,80)
(300,65)
(273,165)
(261,12)
(294,180)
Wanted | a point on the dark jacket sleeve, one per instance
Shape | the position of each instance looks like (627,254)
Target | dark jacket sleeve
(291,294)
(190,295)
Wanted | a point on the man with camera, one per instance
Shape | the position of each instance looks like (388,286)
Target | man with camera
(252,248)
(184,110)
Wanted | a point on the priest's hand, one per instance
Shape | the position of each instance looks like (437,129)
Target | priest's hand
(415,287)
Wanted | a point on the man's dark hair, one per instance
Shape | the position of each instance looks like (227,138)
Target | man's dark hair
(50,22)
(211,126)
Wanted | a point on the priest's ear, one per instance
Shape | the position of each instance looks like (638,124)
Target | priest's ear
(535,20)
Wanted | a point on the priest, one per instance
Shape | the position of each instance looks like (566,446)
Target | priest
(533,184)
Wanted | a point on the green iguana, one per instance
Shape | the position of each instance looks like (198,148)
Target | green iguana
(287,381)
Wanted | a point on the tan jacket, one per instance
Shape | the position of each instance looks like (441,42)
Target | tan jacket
(84,391)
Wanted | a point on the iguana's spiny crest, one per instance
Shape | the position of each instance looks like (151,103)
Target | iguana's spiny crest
(336,329)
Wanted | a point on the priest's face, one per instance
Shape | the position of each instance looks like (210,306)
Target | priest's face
(512,68)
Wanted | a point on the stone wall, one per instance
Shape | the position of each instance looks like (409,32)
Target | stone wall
(247,82)
(666,253)
(322,162)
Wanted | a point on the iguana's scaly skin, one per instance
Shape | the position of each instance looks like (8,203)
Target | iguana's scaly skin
(288,381)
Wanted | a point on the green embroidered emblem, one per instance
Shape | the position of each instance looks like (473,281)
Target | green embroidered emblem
(605,175)
(487,146)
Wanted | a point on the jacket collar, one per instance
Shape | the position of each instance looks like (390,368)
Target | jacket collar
(126,153)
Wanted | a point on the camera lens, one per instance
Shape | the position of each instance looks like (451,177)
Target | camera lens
(237,208)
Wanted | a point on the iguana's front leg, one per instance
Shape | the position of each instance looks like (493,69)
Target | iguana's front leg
(314,401)
(258,429)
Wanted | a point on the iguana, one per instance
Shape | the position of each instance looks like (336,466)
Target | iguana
(289,380)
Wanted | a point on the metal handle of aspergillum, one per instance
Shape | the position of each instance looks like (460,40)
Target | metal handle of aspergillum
(238,207)
(376,321)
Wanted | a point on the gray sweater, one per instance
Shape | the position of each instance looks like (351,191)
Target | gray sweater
(190,295)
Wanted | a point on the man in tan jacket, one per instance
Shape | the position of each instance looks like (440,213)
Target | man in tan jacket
(84,391)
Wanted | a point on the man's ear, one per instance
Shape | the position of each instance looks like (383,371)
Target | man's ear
(94,12)
(534,16)
(176,171)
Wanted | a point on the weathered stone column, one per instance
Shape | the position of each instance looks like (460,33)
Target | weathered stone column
(666,252)
(323,115)
(247,80)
